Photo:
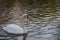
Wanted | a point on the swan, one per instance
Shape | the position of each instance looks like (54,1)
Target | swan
(13,28)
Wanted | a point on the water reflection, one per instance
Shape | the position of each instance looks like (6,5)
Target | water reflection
(40,26)
(40,31)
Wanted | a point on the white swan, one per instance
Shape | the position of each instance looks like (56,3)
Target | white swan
(14,29)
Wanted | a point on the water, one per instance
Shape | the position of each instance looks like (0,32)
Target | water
(40,26)
(41,31)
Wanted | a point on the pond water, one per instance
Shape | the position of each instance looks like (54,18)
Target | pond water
(40,26)
(46,30)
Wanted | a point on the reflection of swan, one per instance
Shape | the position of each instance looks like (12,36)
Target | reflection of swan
(13,28)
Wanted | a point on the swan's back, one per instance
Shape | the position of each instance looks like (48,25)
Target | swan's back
(13,28)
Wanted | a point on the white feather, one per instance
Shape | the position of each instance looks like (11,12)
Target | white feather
(13,28)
